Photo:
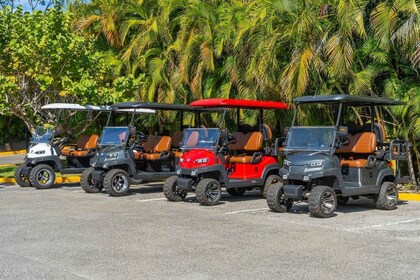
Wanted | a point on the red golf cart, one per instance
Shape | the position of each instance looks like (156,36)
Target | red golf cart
(214,158)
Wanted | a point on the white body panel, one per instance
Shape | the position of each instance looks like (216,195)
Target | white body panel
(41,150)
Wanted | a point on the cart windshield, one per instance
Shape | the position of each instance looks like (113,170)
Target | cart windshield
(42,134)
(114,136)
(303,138)
(201,138)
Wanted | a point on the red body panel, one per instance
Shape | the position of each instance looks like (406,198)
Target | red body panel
(239,103)
(246,171)
(188,159)
(239,171)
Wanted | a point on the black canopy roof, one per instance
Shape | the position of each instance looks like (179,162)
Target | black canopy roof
(152,105)
(350,100)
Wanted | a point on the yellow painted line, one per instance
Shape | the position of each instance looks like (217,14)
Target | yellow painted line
(409,196)
(8,165)
(58,180)
(20,152)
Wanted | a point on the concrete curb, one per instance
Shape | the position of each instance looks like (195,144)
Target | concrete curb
(20,152)
(58,180)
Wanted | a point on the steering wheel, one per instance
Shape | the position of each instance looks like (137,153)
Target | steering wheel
(141,136)
(231,139)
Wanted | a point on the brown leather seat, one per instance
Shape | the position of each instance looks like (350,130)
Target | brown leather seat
(253,143)
(83,146)
(361,145)
(176,143)
(137,154)
(163,144)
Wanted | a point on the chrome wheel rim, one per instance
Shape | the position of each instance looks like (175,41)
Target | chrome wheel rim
(44,177)
(391,196)
(119,183)
(212,192)
(327,203)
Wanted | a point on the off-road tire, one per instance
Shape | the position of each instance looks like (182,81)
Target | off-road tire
(276,200)
(271,180)
(40,173)
(204,197)
(87,184)
(322,202)
(236,191)
(387,198)
(171,190)
(342,200)
(20,179)
(112,181)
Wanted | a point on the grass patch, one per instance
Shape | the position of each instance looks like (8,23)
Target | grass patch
(7,171)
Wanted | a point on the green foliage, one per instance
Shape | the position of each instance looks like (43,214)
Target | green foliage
(43,61)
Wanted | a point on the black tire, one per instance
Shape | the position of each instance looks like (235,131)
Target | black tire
(387,199)
(236,191)
(322,202)
(276,200)
(342,200)
(208,192)
(89,185)
(271,180)
(42,176)
(171,190)
(117,182)
(21,180)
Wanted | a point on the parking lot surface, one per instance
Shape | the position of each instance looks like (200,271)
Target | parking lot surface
(65,233)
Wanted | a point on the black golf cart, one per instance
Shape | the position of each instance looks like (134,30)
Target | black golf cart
(326,165)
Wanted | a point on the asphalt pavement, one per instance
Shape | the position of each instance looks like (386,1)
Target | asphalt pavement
(65,233)
(11,159)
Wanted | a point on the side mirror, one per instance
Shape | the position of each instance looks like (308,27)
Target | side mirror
(343,132)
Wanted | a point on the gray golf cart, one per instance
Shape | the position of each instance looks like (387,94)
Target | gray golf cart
(129,156)
(327,165)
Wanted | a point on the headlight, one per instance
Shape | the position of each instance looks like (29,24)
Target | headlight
(201,160)
(40,152)
(315,163)
(287,162)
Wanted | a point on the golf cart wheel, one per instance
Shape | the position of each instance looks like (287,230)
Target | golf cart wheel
(236,191)
(87,184)
(322,202)
(342,200)
(42,176)
(276,200)
(271,180)
(208,192)
(171,190)
(387,198)
(117,182)
(20,179)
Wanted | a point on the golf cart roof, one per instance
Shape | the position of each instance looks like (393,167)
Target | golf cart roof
(239,103)
(144,111)
(152,105)
(75,107)
(350,100)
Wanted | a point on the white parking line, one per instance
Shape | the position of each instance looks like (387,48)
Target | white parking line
(151,199)
(245,211)
(157,199)
(384,225)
